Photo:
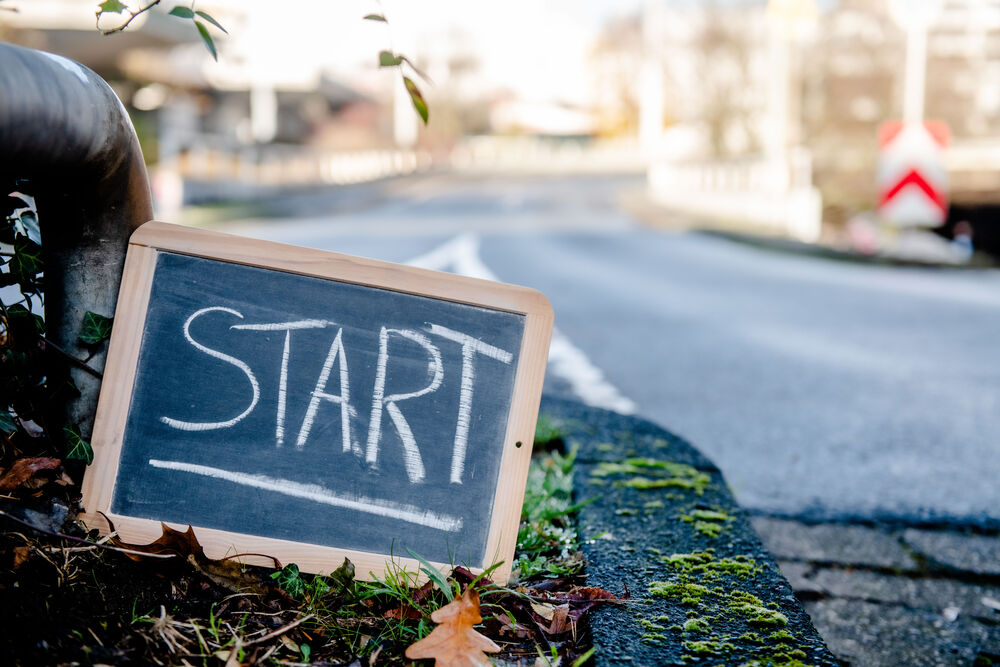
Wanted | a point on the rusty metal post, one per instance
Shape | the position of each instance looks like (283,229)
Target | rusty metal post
(62,127)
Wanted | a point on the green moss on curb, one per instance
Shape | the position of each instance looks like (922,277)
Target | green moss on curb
(722,616)
(752,608)
(687,593)
(708,522)
(648,473)
(710,515)
(697,625)
(703,563)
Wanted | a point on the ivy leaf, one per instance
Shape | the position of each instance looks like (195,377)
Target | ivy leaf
(7,423)
(27,260)
(21,327)
(388,59)
(211,20)
(76,447)
(25,219)
(182,12)
(416,97)
(375,17)
(96,328)
(110,7)
(290,580)
(26,224)
(209,44)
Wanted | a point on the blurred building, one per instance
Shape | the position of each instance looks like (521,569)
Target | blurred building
(732,85)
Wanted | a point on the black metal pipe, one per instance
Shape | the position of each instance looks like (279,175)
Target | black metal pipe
(64,129)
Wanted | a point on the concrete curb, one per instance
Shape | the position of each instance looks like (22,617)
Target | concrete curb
(789,246)
(666,529)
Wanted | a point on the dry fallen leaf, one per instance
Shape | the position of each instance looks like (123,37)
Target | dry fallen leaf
(546,611)
(227,573)
(20,556)
(172,542)
(454,642)
(24,469)
(561,621)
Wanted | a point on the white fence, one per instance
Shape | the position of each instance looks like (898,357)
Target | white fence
(281,165)
(761,195)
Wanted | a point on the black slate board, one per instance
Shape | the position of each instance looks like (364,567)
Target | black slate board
(199,448)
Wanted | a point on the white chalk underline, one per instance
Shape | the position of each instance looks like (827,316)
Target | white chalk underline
(316,493)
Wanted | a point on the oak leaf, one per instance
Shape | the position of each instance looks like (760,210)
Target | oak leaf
(225,572)
(454,642)
(171,542)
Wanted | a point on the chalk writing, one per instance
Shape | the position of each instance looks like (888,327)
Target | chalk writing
(413,460)
(318,494)
(210,426)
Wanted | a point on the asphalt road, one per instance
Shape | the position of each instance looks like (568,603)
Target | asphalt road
(821,389)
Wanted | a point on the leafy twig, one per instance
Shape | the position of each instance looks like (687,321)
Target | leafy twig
(392,59)
(116,7)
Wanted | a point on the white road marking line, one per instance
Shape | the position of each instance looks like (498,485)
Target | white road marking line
(568,362)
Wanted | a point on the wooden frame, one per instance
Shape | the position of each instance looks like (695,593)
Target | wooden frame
(123,356)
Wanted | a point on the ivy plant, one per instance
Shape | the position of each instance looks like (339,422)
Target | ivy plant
(34,372)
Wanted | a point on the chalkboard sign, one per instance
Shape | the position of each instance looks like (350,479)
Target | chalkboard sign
(310,406)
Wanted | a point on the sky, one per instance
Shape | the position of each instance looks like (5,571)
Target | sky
(536,49)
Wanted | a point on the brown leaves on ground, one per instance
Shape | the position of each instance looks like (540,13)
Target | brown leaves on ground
(545,614)
(226,572)
(24,470)
(454,642)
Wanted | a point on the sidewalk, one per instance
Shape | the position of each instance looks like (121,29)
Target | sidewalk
(666,531)
(916,249)
(884,595)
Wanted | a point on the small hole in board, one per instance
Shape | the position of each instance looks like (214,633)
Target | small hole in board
(518,444)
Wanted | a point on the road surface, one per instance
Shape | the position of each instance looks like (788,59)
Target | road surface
(822,389)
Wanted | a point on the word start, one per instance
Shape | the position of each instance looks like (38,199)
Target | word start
(380,402)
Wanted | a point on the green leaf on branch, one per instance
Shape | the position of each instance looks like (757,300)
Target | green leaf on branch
(182,12)
(389,59)
(27,261)
(375,17)
(7,423)
(26,224)
(417,98)
(23,325)
(24,220)
(77,448)
(209,43)
(211,20)
(96,328)
(110,7)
